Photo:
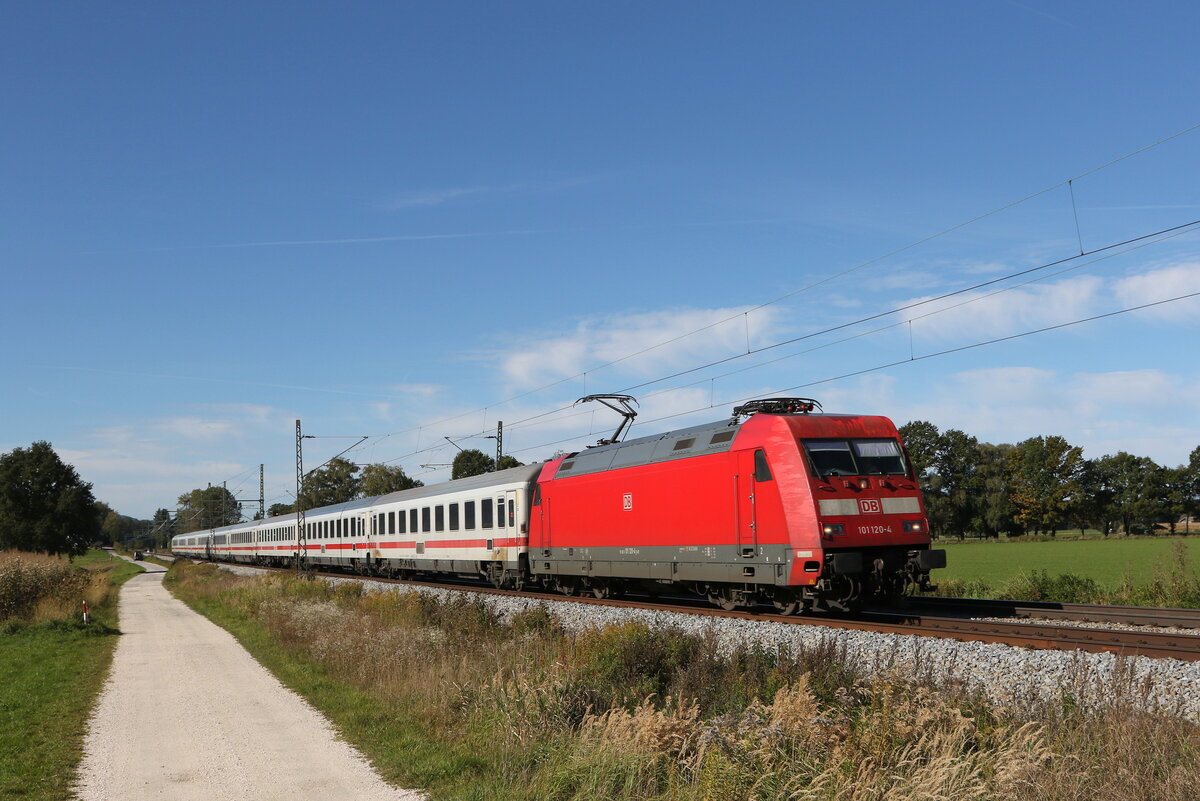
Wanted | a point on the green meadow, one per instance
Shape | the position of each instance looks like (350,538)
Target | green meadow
(1107,562)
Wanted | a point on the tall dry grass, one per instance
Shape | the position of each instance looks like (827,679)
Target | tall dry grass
(626,712)
(36,588)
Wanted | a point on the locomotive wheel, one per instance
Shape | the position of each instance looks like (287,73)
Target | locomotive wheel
(723,599)
(786,607)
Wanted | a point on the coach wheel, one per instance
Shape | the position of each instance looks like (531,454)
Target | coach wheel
(601,589)
(568,586)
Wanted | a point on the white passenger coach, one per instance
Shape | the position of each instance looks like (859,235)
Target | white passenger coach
(470,526)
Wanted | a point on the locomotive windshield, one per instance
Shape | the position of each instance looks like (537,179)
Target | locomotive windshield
(855,457)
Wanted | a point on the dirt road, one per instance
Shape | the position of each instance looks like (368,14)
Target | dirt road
(188,714)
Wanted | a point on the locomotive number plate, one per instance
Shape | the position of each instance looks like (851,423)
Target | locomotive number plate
(874,529)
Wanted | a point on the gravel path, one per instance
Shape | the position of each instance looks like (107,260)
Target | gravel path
(1007,674)
(188,714)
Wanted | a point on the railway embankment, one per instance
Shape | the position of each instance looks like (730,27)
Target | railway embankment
(529,700)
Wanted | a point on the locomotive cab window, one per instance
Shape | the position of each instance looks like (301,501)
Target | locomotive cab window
(855,457)
(879,457)
(762,471)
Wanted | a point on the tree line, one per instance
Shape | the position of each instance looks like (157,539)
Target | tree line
(1044,484)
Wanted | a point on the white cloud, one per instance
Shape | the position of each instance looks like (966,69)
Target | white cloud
(600,340)
(1136,411)
(1161,284)
(980,315)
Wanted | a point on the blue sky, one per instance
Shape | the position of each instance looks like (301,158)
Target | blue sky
(390,219)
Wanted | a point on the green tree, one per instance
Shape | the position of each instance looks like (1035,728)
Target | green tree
(956,479)
(1045,474)
(335,482)
(1192,484)
(946,465)
(114,528)
(507,462)
(277,509)
(163,527)
(1126,486)
(202,509)
(996,512)
(471,462)
(380,479)
(44,505)
(921,440)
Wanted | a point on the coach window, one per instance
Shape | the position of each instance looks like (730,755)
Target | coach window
(425,518)
(400,521)
(391,523)
(761,471)
(454,517)
(512,513)
(412,521)
(469,515)
(487,513)
(439,518)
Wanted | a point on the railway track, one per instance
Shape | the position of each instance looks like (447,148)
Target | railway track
(913,621)
(1053,610)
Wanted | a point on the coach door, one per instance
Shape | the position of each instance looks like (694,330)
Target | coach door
(747,508)
(511,515)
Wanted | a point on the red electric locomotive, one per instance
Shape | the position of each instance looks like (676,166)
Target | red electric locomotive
(786,507)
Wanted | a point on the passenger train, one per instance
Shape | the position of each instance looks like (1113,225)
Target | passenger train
(777,506)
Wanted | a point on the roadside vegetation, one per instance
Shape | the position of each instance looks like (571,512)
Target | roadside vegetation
(53,664)
(442,695)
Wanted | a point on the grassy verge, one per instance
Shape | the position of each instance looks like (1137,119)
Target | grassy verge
(53,667)
(444,696)
(1136,572)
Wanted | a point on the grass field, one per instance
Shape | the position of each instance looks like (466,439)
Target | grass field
(1149,571)
(1107,562)
(53,670)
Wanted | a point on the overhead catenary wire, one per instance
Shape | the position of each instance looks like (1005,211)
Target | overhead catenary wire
(1068,182)
(897,363)
(1149,238)
(1138,242)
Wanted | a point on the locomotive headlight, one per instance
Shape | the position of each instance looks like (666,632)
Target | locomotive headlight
(914,526)
(833,530)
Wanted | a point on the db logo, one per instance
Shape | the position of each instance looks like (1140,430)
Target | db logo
(627,502)
(869,506)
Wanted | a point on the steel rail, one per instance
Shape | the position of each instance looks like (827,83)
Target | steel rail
(1054,610)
